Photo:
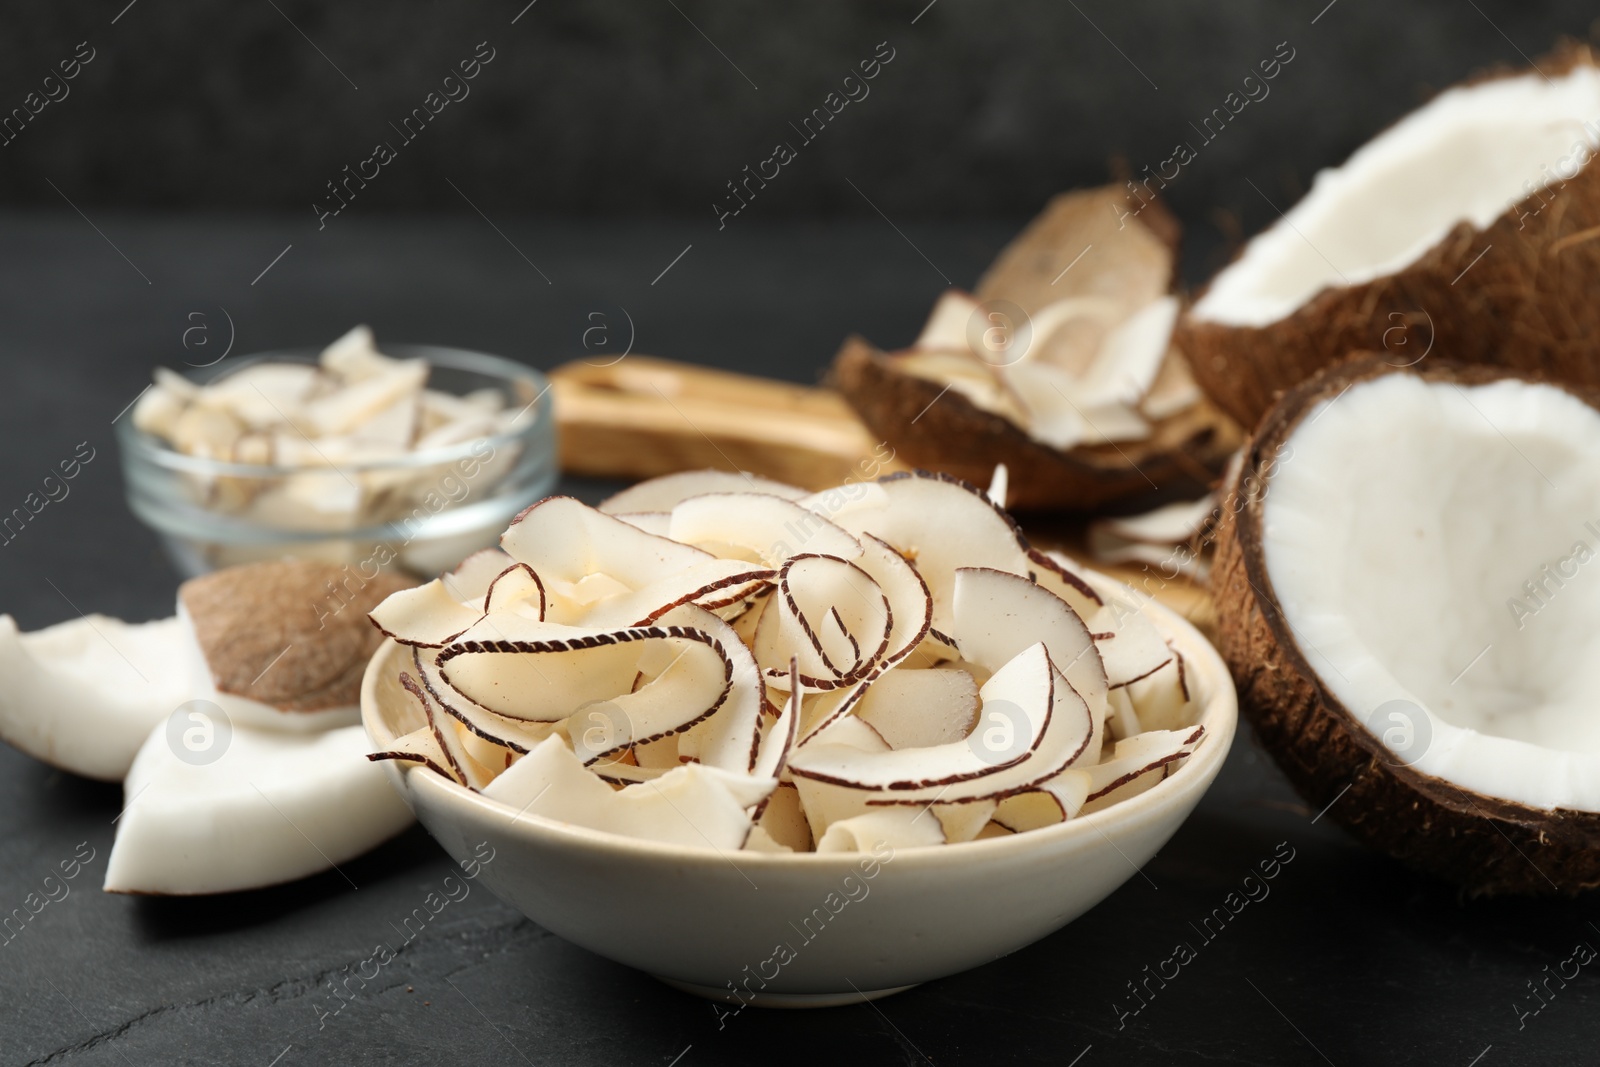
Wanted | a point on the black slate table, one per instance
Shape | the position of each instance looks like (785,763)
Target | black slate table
(1341,958)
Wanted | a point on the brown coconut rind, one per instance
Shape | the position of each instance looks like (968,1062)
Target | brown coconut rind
(949,433)
(1527,304)
(292,634)
(1486,845)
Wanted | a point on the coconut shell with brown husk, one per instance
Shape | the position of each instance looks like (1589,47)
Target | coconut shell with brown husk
(1403,599)
(951,433)
(1470,228)
(1060,365)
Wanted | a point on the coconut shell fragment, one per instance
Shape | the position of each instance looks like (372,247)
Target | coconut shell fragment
(292,634)
(1486,844)
(1086,403)
(943,430)
(1516,293)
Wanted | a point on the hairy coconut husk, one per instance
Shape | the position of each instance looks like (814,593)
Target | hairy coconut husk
(1527,304)
(949,433)
(292,634)
(1486,845)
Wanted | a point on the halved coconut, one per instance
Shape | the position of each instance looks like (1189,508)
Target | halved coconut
(1060,366)
(273,807)
(274,644)
(1406,599)
(1465,229)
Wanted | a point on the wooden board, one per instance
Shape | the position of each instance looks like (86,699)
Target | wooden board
(644,416)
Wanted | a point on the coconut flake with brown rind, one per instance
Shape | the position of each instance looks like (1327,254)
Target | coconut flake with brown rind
(692,805)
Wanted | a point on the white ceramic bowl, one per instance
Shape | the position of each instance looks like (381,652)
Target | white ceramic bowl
(807,929)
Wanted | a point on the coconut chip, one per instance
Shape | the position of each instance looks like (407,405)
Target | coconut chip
(1074,357)
(888,661)
(1171,537)
(354,406)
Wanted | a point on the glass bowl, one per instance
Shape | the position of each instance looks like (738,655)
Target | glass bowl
(421,511)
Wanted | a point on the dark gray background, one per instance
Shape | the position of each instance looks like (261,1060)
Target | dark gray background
(622,107)
(595,142)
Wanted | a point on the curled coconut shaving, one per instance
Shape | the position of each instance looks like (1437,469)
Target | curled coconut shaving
(702,660)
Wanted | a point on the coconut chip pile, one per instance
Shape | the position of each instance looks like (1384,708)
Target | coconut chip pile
(354,407)
(714,660)
(1083,370)
(1061,364)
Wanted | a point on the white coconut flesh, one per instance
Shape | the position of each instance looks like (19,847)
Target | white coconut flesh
(471,578)
(663,493)
(274,807)
(820,709)
(1076,372)
(140,703)
(1467,156)
(1166,537)
(1461,579)
(83,695)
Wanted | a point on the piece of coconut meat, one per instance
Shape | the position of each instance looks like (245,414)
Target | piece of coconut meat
(1465,157)
(1458,582)
(83,695)
(272,808)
